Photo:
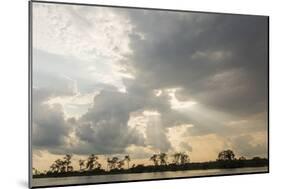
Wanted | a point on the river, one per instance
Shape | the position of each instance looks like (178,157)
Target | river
(141,176)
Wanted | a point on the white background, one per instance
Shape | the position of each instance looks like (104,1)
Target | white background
(14,88)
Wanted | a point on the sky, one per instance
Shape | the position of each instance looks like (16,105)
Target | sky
(115,81)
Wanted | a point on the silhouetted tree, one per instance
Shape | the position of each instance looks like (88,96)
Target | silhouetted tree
(242,158)
(67,162)
(92,162)
(53,168)
(256,158)
(127,159)
(59,165)
(81,164)
(155,159)
(177,158)
(120,164)
(97,165)
(63,169)
(111,163)
(35,171)
(184,158)
(226,155)
(163,158)
(181,158)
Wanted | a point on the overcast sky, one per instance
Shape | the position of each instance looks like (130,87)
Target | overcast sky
(124,81)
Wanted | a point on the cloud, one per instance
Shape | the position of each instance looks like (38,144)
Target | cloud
(167,69)
(218,60)
(49,125)
(179,138)
(246,145)
(88,44)
(80,31)
(105,126)
(140,152)
(185,146)
(156,134)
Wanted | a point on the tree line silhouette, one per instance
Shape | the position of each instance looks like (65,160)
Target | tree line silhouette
(115,165)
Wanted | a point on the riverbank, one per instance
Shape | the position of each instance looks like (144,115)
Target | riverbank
(162,168)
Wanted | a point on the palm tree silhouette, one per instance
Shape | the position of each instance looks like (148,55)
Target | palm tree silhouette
(81,164)
(114,162)
(91,162)
(163,158)
(128,159)
(67,162)
(59,165)
(177,158)
(154,158)
(120,163)
(111,163)
(53,167)
(97,165)
(181,158)
(108,164)
(184,158)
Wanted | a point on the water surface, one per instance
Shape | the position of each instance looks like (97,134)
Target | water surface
(141,176)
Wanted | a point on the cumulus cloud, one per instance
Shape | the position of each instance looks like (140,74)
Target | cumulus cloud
(220,60)
(105,126)
(204,75)
(49,125)
(77,31)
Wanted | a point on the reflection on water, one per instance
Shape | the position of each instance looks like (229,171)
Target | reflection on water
(141,176)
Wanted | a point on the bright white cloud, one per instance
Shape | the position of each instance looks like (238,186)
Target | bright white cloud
(175,103)
(96,38)
(76,105)
(177,136)
(212,56)
(82,32)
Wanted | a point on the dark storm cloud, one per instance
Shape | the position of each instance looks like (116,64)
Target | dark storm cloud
(105,125)
(104,128)
(144,95)
(218,60)
(49,125)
